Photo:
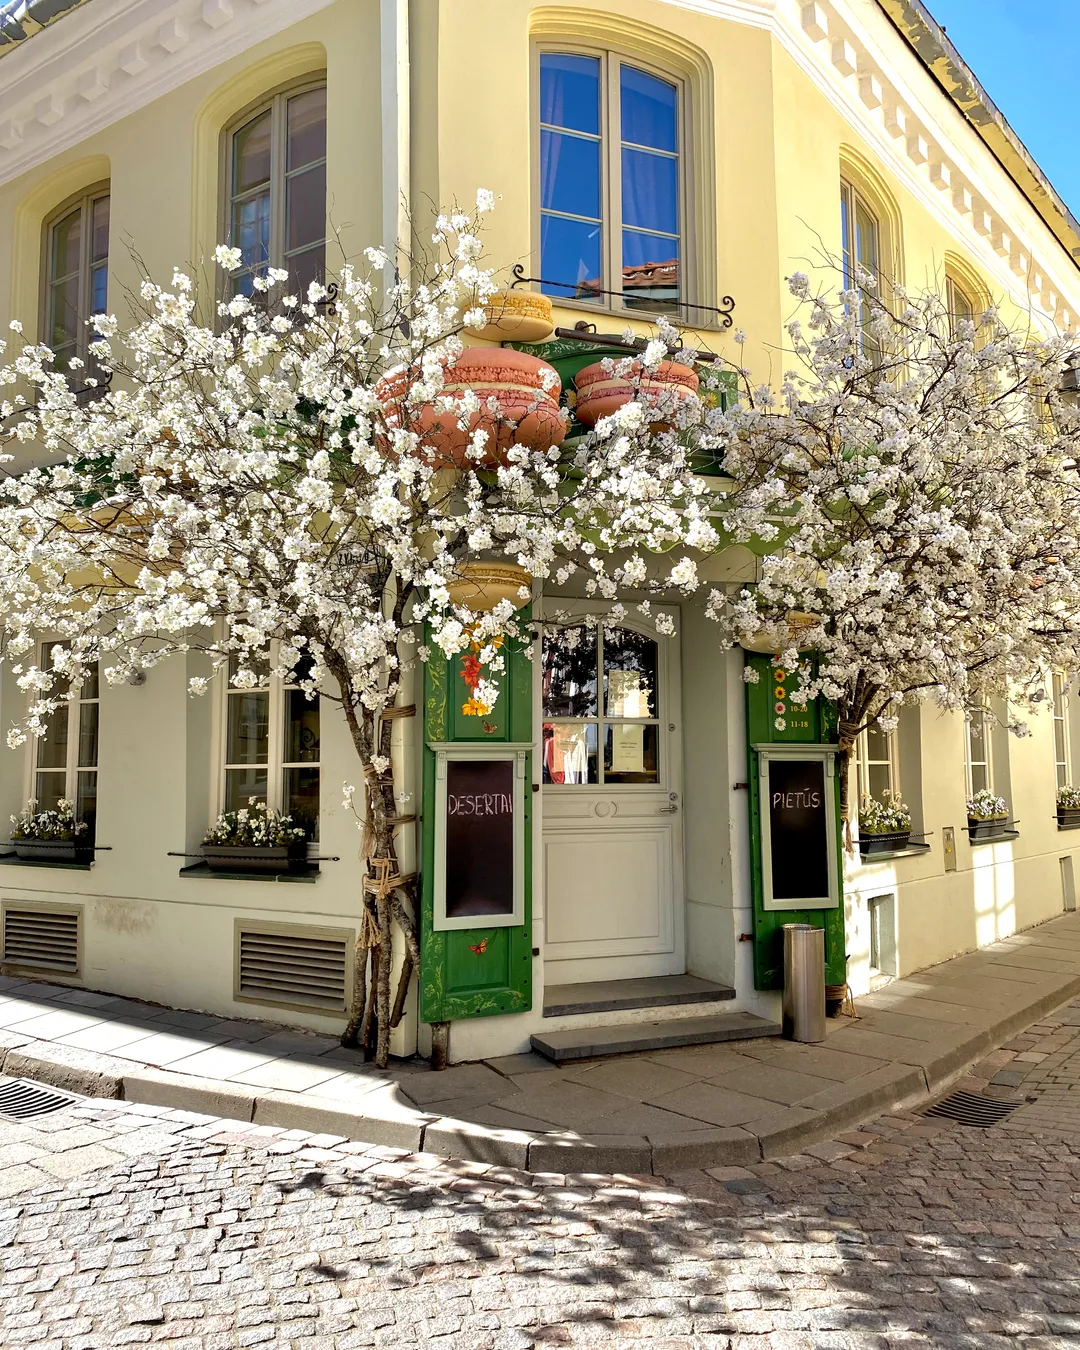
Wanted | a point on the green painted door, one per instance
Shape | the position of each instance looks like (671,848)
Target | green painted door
(773,719)
(487,970)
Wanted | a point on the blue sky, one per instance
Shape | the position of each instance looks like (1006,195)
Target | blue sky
(1024,53)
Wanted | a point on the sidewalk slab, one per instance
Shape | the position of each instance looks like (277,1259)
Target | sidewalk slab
(661,1110)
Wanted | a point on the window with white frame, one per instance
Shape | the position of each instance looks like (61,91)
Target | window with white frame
(960,305)
(1062,746)
(76,278)
(271,747)
(979,753)
(276,210)
(611,188)
(875,752)
(860,234)
(64,762)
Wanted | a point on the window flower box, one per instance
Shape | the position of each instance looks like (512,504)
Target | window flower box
(1068,815)
(986,828)
(1068,807)
(51,836)
(872,844)
(272,860)
(254,839)
(53,850)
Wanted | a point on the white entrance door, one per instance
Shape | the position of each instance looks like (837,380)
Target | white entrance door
(612,807)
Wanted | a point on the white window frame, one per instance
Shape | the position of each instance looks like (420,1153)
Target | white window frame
(612,58)
(71,769)
(276,104)
(863,763)
(1059,709)
(982,716)
(276,765)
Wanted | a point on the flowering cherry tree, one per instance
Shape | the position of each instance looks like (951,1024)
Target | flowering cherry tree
(245,485)
(915,482)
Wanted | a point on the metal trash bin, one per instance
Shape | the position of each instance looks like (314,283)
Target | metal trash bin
(804,982)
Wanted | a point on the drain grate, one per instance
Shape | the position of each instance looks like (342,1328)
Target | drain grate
(968,1108)
(20,1100)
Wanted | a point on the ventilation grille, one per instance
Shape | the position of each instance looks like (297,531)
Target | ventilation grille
(21,1099)
(299,966)
(42,939)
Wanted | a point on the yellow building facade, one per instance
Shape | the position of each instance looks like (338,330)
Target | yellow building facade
(143,134)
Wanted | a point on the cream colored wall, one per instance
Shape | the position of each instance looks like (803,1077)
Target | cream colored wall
(997,889)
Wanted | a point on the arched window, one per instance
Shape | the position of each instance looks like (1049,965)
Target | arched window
(76,276)
(960,305)
(611,187)
(276,210)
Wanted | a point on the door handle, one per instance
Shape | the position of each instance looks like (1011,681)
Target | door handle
(669,810)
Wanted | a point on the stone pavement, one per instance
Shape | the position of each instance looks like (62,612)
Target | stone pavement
(670,1110)
(205,1234)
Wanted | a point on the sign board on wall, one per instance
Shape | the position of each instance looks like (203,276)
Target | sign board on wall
(798,827)
(479,835)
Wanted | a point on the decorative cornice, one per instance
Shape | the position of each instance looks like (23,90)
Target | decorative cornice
(111,58)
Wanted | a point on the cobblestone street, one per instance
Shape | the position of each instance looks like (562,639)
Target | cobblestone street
(131,1226)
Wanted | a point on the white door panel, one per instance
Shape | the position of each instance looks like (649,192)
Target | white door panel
(612,833)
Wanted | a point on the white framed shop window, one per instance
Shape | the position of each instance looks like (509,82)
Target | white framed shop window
(63,763)
(267,747)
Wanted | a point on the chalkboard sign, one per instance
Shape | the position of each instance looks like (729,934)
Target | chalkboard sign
(479,837)
(798,828)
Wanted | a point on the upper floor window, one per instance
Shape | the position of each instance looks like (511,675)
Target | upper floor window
(277,190)
(271,748)
(611,183)
(65,759)
(76,276)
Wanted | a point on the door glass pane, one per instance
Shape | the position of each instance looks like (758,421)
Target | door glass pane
(52,750)
(86,801)
(569,673)
(67,244)
(251,153)
(650,191)
(570,753)
(630,661)
(570,92)
(570,257)
(649,110)
(88,735)
(249,728)
(301,728)
(630,754)
(305,202)
(300,799)
(569,174)
(243,784)
(49,790)
(99,225)
(307,129)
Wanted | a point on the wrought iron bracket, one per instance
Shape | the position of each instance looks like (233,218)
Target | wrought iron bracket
(723,311)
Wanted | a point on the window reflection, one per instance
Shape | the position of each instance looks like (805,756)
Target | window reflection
(570,673)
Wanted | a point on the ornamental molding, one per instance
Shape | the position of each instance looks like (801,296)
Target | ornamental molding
(107,60)
(858,61)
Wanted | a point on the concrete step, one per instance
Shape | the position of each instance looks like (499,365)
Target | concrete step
(660,991)
(598,1042)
